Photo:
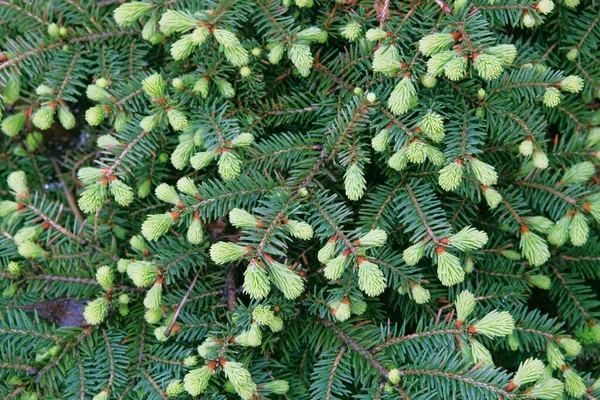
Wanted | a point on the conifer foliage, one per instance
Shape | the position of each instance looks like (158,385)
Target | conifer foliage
(299,199)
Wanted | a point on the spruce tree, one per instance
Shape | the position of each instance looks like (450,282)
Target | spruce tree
(299,199)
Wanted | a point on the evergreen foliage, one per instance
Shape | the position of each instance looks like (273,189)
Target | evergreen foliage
(299,199)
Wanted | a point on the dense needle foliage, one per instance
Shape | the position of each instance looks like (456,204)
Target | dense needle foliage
(299,199)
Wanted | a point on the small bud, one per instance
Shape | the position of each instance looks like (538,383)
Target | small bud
(122,193)
(551,97)
(96,311)
(435,43)
(528,20)
(579,230)
(335,267)
(399,160)
(302,58)
(153,297)
(371,97)
(196,381)
(286,280)
(456,68)
(492,197)
(195,234)
(202,159)
(244,139)
(468,239)
(529,371)
(574,384)
(428,80)
(226,252)
(464,304)
(540,281)
(572,84)
(157,225)
(177,119)
(95,115)
(240,378)
(276,53)
(128,13)
(96,93)
(375,34)
(495,323)
(43,118)
(229,165)
(560,231)
(370,278)
(299,229)
(417,152)
(142,273)
(451,176)
(432,125)
(484,173)
(351,31)
(449,270)
(187,186)
(403,98)
(256,281)
(341,310)
(526,147)
(571,346)
(540,159)
(167,193)
(13,124)
(53,30)
(105,277)
(413,254)
(31,250)
(547,389)
(533,247)
(149,122)
(354,182)
(513,342)
(420,294)
(154,86)
(277,386)
(138,243)
(175,388)
(207,348)
(545,6)
(480,354)
(380,141)
(13,268)
(572,54)
(159,334)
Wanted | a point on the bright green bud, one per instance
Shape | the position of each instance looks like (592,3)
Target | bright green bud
(190,361)
(201,87)
(225,88)
(157,225)
(540,159)
(571,84)
(202,159)
(510,254)
(207,347)
(341,309)
(560,231)
(432,125)
(43,118)
(277,386)
(299,229)
(302,58)
(574,384)
(276,325)
(555,357)
(373,238)
(153,297)
(225,38)
(256,52)
(195,233)
(123,299)
(66,118)
(105,277)
(572,53)
(95,115)
(96,311)
(138,243)
(506,53)
(149,122)
(579,173)
(13,268)
(144,188)
(413,254)
(533,247)
(129,13)
(90,175)
(53,30)
(513,342)
(286,280)
(14,124)
(399,160)
(545,7)
(375,34)
(245,72)
(229,165)
(484,173)
(142,273)
(244,139)
(468,239)
(167,193)
(380,141)
(464,304)
(173,21)
(488,66)
(436,64)
(528,20)
(326,252)
(551,97)
(31,250)
(251,337)
(17,182)
(529,371)
(419,294)
(370,278)
(103,395)
(276,53)
(8,208)
(571,346)
(186,185)
(177,119)
(403,98)
(96,93)
(495,323)
(154,86)
(547,389)
(449,270)
(240,378)
(354,182)
(196,381)
(175,388)
(334,267)
(92,198)
(435,156)
(122,193)
(242,219)
(416,152)
(226,252)
(480,354)
(27,234)
(492,197)
(540,281)
(256,281)
(579,230)
(456,68)
(451,176)
(310,34)
(263,315)
(386,60)
(371,97)
(351,31)
(12,91)
(540,224)
(107,142)
(435,43)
